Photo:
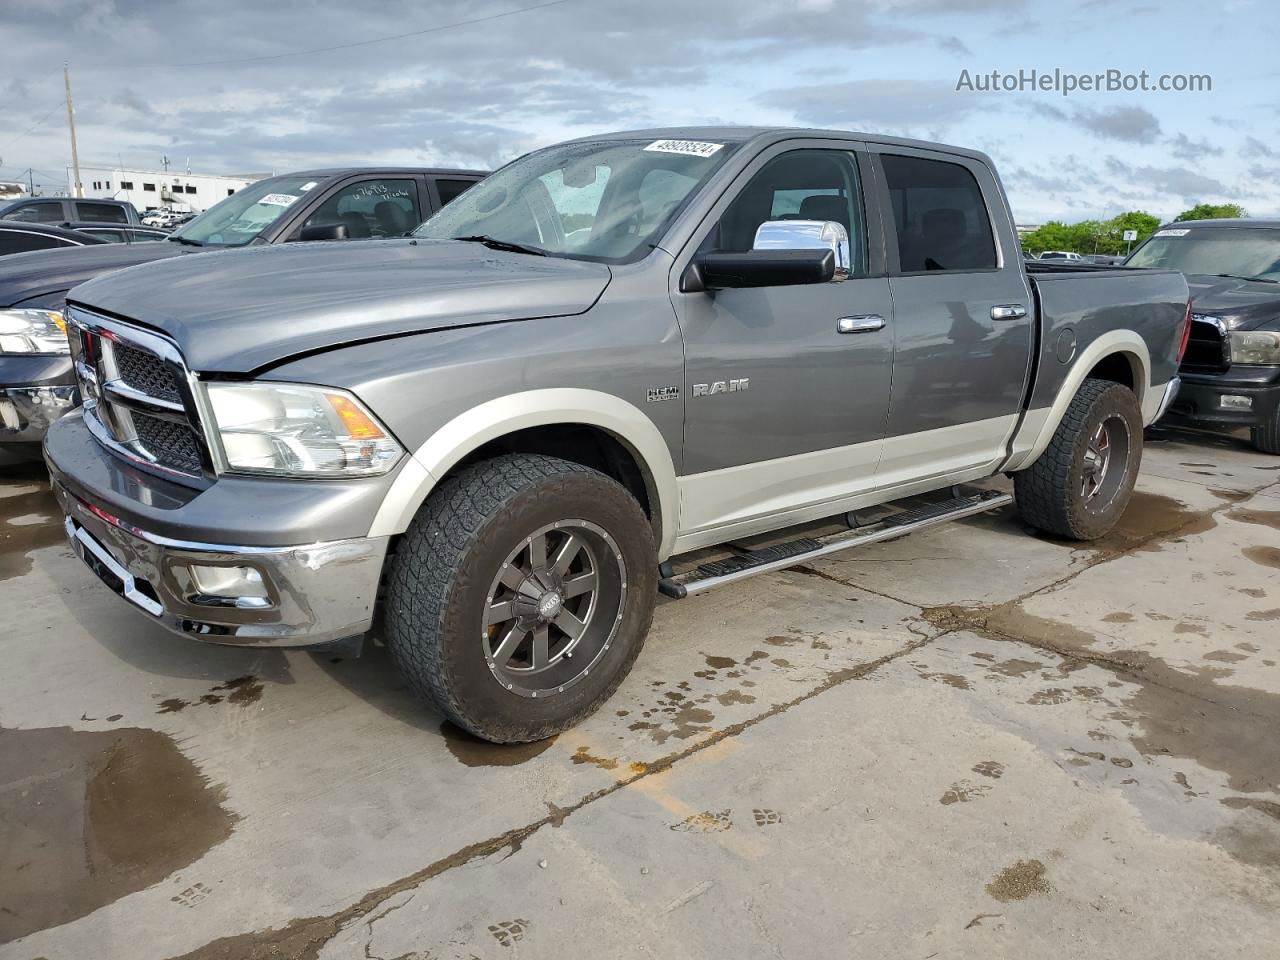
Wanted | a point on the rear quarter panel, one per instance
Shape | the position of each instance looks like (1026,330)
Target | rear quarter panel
(1088,306)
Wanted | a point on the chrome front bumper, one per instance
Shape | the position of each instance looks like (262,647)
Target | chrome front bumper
(315,594)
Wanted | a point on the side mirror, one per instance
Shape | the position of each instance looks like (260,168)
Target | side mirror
(324,231)
(759,268)
(807,235)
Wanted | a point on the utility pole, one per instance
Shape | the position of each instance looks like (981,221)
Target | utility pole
(77,188)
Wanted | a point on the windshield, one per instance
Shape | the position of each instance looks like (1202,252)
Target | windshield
(600,200)
(1238,251)
(236,220)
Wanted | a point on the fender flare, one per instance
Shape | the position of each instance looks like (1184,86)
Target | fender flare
(468,431)
(1039,426)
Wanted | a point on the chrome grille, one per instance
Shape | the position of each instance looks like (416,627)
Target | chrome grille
(1207,348)
(173,445)
(145,372)
(138,397)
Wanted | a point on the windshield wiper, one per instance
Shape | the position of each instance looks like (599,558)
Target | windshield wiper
(493,243)
(1237,276)
(187,240)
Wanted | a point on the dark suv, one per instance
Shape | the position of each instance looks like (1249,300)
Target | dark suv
(1231,372)
(37,384)
(65,211)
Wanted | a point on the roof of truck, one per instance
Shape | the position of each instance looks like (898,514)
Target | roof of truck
(430,171)
(1224,222)
(773,134)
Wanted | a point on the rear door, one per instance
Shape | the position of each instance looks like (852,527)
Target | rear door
(963,315)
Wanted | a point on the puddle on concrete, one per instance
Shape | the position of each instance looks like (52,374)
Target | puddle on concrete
(28,522)
(475,752)
(1263,556)
(89,817)
(1265,518)
(1172,712)
(240,691)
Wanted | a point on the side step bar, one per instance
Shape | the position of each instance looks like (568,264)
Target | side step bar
(749,563)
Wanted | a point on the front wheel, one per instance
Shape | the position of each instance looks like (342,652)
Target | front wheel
(1081,484)
(1266,436)
(521,595)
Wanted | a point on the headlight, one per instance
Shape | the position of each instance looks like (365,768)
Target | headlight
(1255,346)
(33,332)
(296,430)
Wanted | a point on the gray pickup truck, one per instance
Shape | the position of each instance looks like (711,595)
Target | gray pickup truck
(509,431)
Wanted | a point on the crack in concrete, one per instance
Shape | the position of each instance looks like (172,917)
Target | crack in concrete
(303,938)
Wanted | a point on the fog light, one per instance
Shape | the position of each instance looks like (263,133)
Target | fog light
(235,583)
(1235,402)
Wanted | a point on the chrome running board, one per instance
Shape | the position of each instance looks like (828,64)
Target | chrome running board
(750,563)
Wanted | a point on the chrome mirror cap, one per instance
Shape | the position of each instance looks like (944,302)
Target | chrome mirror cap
(806,235)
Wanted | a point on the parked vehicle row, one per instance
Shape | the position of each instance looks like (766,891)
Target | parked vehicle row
(511,429)
(37,383)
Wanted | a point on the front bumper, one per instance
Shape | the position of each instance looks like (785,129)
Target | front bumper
(34,392)
(315,594)
(141,534)
(1201,398)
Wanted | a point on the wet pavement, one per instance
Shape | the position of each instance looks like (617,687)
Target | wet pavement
(969,742)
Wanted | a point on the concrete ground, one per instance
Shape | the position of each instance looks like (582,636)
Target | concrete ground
(972,742)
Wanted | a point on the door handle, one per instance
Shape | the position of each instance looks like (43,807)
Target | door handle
(865,324)
(1008,311)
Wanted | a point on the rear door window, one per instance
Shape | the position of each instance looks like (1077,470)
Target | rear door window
(940,217)
(100,212)
(111,236)
(371,209)
(449,189)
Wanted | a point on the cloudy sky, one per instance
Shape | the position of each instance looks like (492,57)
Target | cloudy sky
(245,85)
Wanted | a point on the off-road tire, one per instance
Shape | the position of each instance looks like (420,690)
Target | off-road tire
(1266,437)
(1049,494)
(440,579)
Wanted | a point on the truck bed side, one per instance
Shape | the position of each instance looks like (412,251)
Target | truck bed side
(1117,324)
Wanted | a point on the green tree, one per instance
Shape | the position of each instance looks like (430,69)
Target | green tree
(1091,236)
(1212,211)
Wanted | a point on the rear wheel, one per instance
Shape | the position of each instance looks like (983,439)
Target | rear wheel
(1266,437)
(1081,484)
(521,595)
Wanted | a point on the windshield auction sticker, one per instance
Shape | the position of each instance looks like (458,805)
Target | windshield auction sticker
(1172,233)
(690,148)
(278,199)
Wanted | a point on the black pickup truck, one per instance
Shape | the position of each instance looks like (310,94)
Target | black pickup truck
(1231,371)
(37,384)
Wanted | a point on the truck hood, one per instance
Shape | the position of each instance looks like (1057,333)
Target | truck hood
(43,272)
(1241,304)
(241,310)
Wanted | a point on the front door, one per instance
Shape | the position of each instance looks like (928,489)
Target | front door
(783,410)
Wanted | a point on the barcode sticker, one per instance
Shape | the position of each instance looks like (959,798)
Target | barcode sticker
(690,148)
(1172,233)
(278,199)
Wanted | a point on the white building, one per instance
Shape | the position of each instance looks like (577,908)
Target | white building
(165,189)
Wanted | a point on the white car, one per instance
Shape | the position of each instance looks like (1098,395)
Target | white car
(1047,255)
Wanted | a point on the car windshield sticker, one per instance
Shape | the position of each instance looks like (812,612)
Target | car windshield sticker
(278,199)
(690,148)
(1172,233)
(307,186)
